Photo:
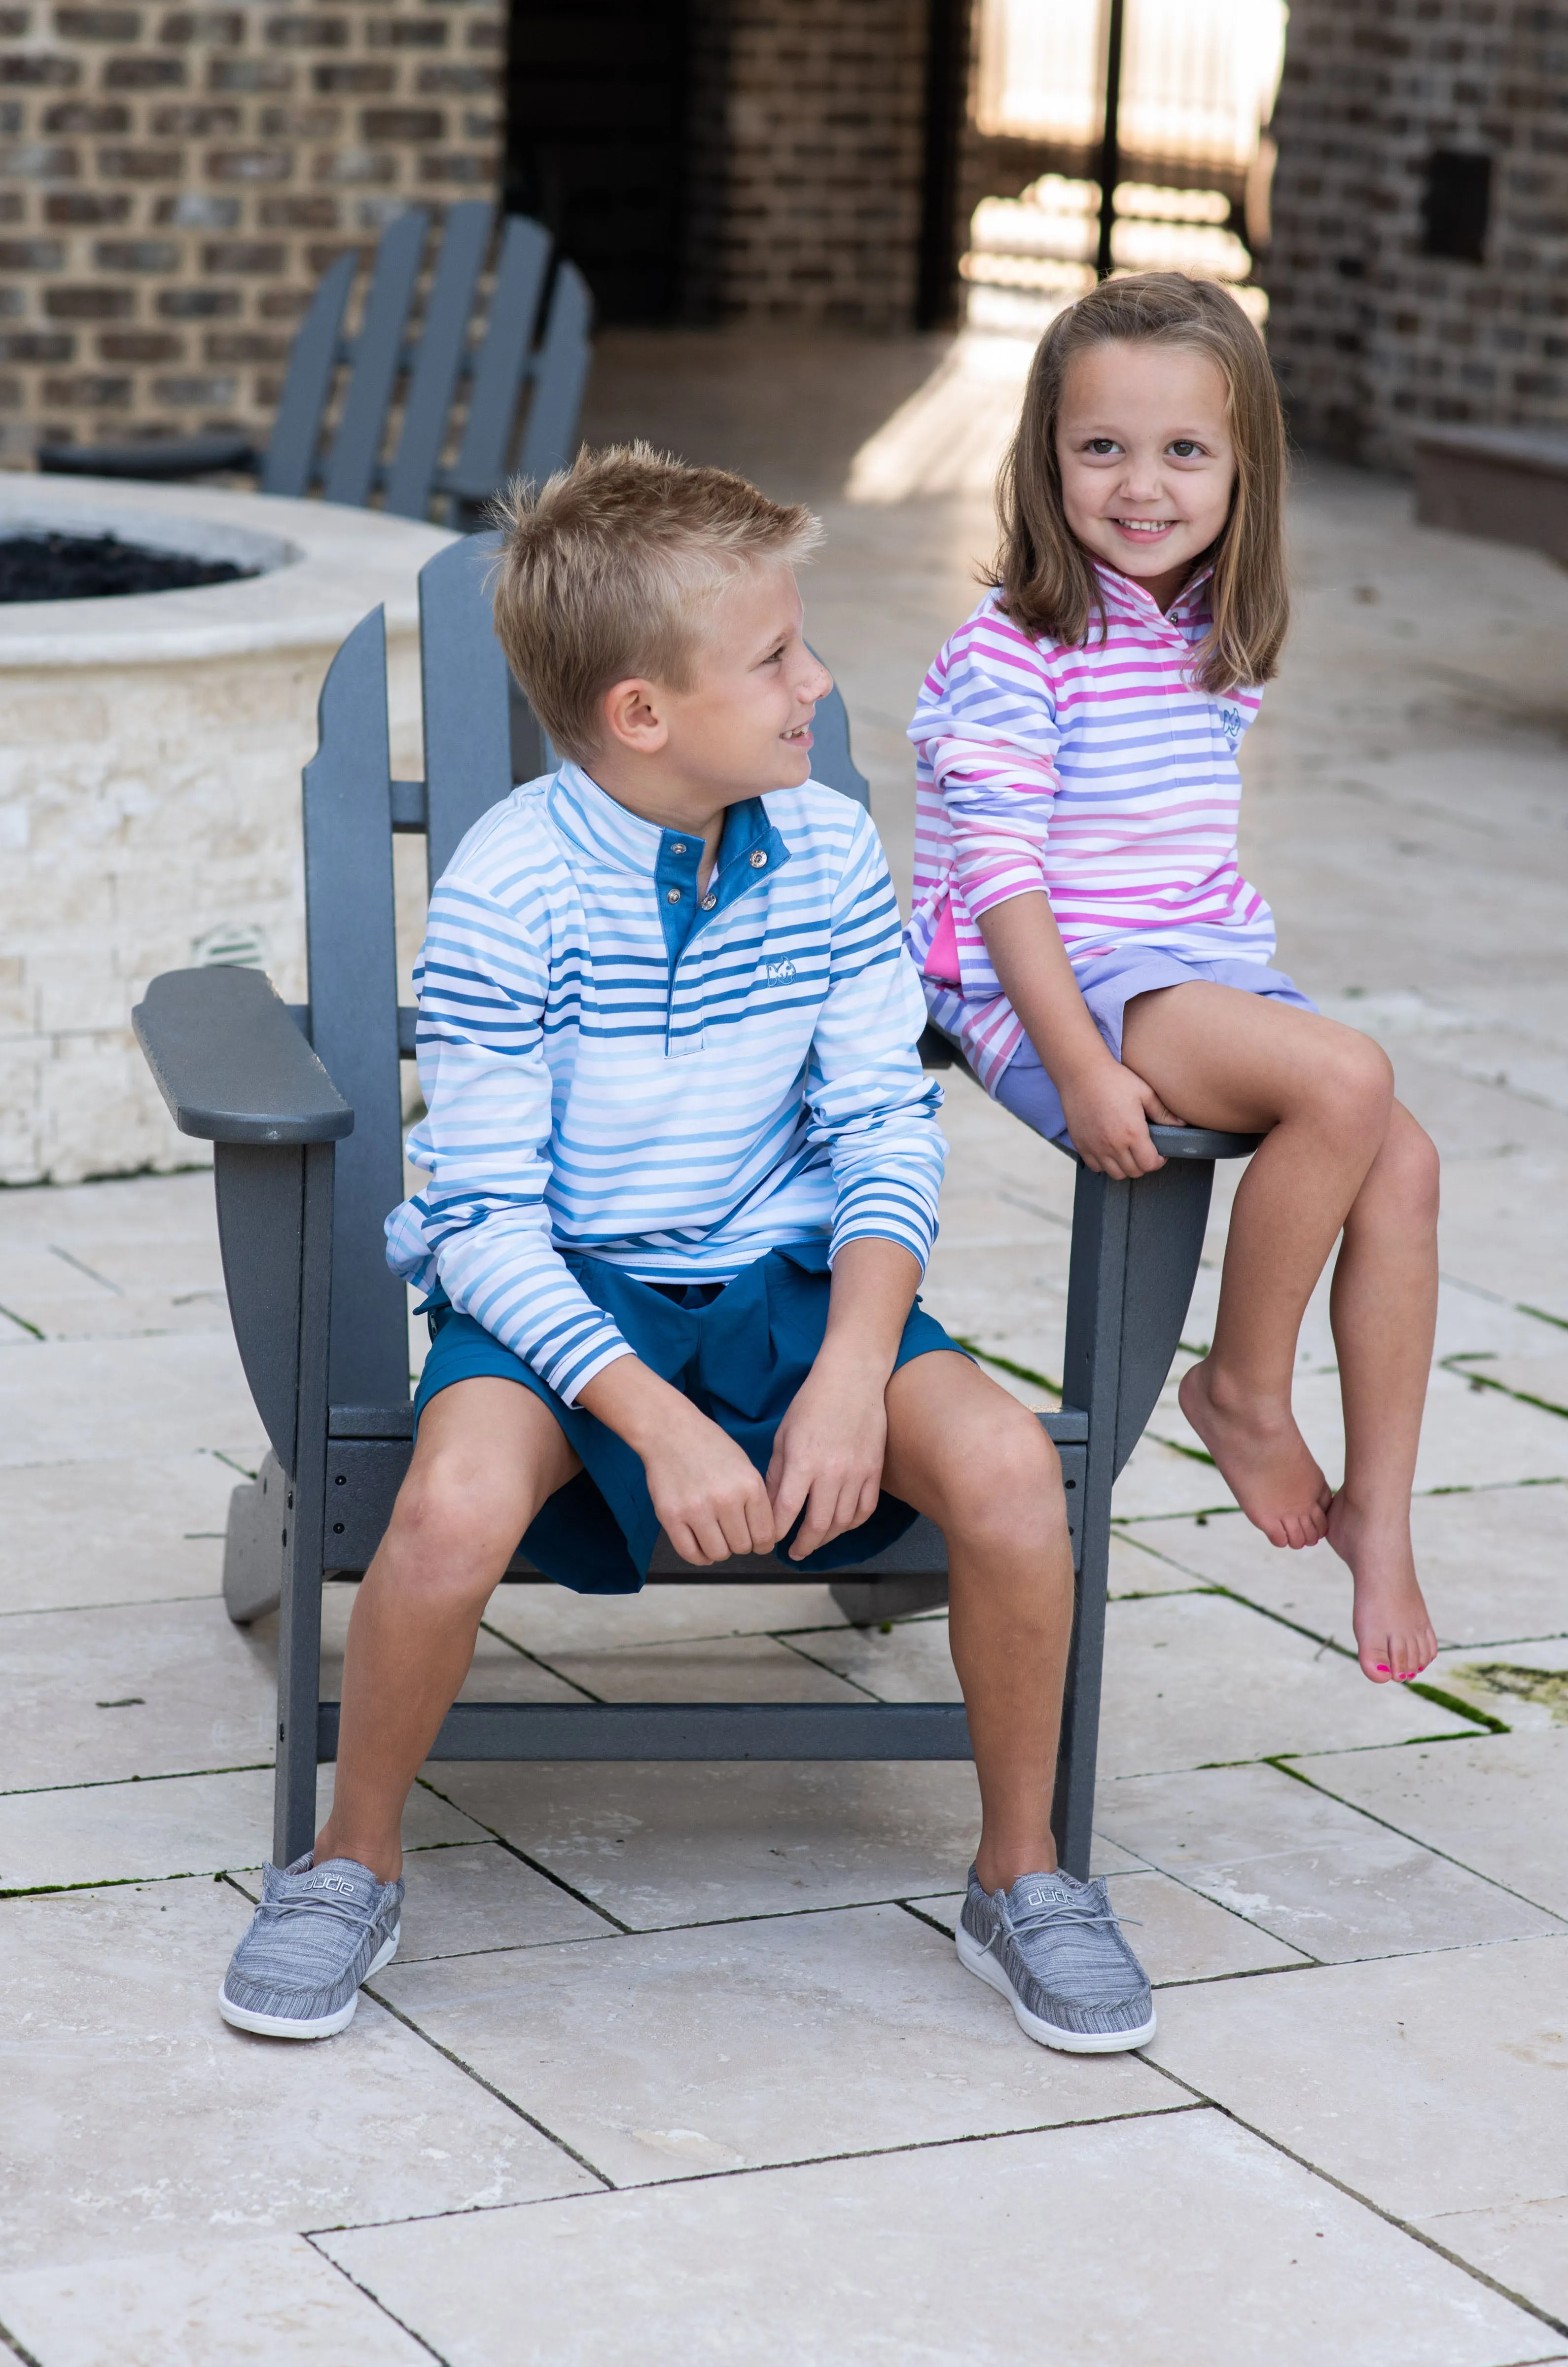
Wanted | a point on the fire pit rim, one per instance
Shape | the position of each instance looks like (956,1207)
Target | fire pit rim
(324,566)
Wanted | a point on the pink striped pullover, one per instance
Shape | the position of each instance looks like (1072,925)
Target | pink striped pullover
(1098,773)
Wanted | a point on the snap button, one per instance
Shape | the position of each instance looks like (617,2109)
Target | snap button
(758,860)
(678,846)
(708,903)
(671,895)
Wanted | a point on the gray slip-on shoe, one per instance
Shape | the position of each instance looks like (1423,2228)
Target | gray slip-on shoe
(319,1932)
(1055,1950)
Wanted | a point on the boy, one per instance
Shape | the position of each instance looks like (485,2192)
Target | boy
(683,1183)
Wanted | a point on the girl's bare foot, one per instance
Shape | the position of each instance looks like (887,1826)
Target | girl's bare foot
(1393,1628)
(1263,1460)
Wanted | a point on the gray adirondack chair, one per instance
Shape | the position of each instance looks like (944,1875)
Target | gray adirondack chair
(303,1108)
(353,465)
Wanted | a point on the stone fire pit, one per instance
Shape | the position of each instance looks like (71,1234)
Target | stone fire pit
(149,759)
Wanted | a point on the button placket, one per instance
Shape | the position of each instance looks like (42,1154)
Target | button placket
(742,873)
(687,1002)
(680,857)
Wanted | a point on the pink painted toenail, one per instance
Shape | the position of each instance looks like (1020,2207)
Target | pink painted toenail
(1383,1669)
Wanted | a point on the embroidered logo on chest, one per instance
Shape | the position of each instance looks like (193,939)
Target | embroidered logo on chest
(1232,723)
(778,973)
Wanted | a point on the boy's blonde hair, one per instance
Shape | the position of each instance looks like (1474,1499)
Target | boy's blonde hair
(1041,571)
(611,569)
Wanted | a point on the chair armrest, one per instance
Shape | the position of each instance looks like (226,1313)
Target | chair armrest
(232,1064)
(938,1050)
(1201,1142)
(159,460)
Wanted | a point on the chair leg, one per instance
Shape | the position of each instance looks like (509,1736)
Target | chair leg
(299,1688)
(1072,1810)
(300,1619)
(1135,1251)
(1091,1378)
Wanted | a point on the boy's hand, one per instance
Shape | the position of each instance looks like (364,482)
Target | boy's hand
(709,1497)
(828,1452)
(1109,1112)
(706,1492)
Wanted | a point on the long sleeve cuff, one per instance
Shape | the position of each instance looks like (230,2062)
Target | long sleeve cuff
(525,1297)
(887,1209)
(999,879)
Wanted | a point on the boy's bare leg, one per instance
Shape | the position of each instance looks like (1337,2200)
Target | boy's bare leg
(961,1450)
(1338,1153)
(488,1455)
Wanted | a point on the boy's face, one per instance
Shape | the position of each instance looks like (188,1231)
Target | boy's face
(742,729)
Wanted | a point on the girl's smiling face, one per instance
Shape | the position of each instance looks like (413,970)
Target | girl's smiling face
(1148,466)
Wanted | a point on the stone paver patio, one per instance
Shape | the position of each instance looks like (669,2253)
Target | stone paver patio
(677,2062)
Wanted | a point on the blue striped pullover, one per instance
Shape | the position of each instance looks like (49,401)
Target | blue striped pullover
(614,1066)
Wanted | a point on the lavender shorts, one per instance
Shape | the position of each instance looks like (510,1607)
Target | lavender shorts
(1108,987)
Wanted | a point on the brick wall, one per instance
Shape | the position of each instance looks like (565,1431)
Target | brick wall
(809,121)
(174,180)
(1370,334)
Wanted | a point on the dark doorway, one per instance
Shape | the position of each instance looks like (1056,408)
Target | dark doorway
(595,142)
(947,101)
(1456,205)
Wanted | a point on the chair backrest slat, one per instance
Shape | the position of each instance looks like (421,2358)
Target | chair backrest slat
(350,928)
(832,763)
(290,462)
(440,358)
(560,373)
(467,760)
(377,356)
(502,361)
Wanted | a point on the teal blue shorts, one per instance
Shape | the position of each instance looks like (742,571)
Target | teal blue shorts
(740,1351)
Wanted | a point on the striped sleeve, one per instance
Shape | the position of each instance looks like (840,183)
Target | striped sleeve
(481,1225)
(868,1102)
(987,727)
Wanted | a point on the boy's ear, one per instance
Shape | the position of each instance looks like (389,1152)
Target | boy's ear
(634,717)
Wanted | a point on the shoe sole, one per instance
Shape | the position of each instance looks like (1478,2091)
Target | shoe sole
(279,2026)
(982,1961)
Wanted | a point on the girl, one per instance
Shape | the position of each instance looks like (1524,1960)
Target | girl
(1085,933)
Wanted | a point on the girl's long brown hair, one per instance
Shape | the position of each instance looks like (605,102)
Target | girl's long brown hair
(1044,576)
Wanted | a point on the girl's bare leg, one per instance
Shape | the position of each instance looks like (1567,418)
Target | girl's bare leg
(1383,1307)
(961,1450)
(1324,1097)
(489,1454)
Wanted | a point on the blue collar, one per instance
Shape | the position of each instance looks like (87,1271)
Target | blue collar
(750,852)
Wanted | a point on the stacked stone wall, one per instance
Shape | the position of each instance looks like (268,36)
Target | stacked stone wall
(175,179)
(1370,334)
(808,160)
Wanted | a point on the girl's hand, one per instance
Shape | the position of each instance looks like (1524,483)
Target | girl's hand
(1109,1113)
(828,1454)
